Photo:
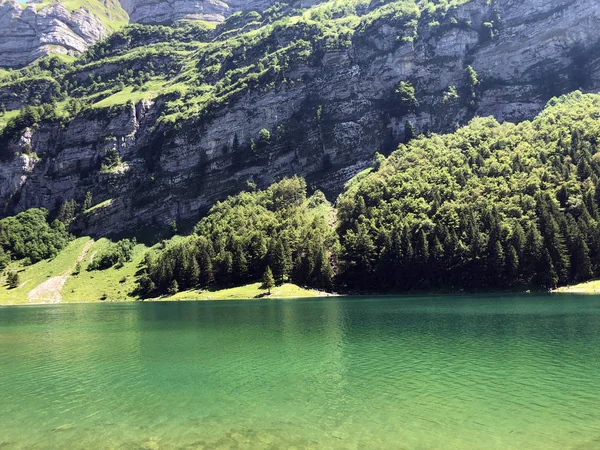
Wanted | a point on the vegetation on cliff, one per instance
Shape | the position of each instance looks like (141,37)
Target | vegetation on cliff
(28,236)
(194,69)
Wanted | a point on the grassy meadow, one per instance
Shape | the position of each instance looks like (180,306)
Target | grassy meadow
(65,279)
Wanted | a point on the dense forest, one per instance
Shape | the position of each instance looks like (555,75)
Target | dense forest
(490,206)
(29,237)
(278,229)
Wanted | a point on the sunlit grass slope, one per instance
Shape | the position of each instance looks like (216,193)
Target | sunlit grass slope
(65,279)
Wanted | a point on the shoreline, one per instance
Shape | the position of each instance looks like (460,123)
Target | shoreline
(245,293)
(204,296)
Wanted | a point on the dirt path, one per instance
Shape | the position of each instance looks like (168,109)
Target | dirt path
(50,290)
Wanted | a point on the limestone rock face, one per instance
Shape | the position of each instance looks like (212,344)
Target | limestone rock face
(326,125)
(27,34)
(167,11)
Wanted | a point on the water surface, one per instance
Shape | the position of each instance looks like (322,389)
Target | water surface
(493,372)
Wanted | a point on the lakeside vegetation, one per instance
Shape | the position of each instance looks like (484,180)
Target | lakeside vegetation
(66,279)
(491,206)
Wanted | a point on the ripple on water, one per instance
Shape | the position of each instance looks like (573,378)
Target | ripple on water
(414,373)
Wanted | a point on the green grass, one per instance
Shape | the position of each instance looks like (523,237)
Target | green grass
(64,58)
(127,94)
(590,287)
(100,205)
(34,275)
(6,117)
(247,292)
(114,284)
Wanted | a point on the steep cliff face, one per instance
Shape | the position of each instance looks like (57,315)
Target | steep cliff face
(30,30)
(168,11)
(543,48)
(326,119)
(27,33)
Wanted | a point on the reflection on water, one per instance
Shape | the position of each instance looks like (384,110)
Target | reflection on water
(426,372)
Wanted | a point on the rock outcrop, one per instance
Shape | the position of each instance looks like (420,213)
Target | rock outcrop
(168,11)
(27,33)
(325,127)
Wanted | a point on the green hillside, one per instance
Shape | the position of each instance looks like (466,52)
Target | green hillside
(489,206)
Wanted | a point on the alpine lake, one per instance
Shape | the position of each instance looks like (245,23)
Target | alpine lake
(423,372)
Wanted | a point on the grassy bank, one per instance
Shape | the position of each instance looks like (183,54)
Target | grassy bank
(249,291)
(65,279)
(590,287)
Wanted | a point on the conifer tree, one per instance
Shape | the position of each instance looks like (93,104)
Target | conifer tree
(239,263)
(206,267)
(13,280)
(582,266)
(173,287)
(279,260)
(268,280)
(87,203)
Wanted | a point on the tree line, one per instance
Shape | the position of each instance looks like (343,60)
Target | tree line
(488,206)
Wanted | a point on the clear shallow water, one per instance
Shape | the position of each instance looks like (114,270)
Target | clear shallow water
(392,373)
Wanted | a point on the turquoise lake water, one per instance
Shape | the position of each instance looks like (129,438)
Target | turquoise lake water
(472,372)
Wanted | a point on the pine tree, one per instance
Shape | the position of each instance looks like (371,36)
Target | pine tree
(512,265)
(518,239)
(546,274)
(554,239)
(192,272)
(268,280)
(13,280)
(323,274)
(206,267)
(225,268)
(68,211)
(496,262)
(87,203)
(173,288)
(396,258)
(279,260)
(532,256)
(582,266)
(239,263)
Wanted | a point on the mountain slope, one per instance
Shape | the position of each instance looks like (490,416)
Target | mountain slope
(490,206)
(36,28)
(157,123)
(30,31)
